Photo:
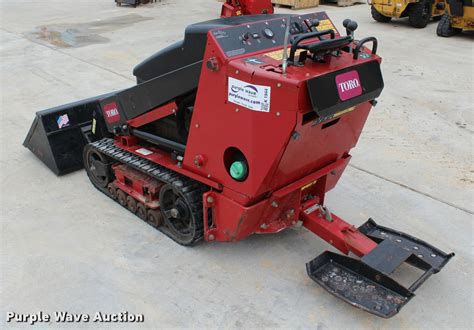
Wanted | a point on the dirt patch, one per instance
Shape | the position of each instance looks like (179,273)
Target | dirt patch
(82,34)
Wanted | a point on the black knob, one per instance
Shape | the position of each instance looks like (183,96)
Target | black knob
(268,33)
(350,25)
(314,22)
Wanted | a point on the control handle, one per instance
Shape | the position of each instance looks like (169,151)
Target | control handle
(296,41)
(364,41)
(312,23)
(350,26)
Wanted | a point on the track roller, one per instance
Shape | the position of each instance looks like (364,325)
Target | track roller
(154,218)
(141,211)
(112,191)
(121,197)
(131,204)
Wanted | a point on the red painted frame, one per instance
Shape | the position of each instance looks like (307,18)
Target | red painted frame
(153,115)
(138,182)
(293,161)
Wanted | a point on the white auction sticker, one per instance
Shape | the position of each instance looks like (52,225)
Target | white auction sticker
(253,97)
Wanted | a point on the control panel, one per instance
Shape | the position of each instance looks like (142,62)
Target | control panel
(261,35)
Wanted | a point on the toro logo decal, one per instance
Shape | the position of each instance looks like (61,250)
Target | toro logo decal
(348,85)
(111,113)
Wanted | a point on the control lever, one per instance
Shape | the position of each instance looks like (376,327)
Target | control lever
(350,26)
(312,23)
(298,27)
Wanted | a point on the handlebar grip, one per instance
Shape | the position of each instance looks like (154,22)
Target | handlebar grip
(329,44)
(305,36)
(350,25)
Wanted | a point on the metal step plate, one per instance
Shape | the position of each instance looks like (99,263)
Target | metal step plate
(422,254)
(358,284)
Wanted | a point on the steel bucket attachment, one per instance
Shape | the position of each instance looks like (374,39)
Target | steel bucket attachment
(365,283)
(58,135)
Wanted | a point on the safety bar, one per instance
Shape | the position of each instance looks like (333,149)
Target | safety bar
(364,41)
(295,42)
(326,45)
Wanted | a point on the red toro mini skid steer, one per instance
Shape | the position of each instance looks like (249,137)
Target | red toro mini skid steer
(242,128)
(246,7)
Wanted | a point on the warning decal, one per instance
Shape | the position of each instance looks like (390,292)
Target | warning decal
(250,96)
(278,54)
(325,24)
(340,113)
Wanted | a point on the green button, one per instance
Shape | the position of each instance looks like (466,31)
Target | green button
(238,170)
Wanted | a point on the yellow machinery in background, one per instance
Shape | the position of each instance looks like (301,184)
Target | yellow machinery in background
(459,16)
(419,12)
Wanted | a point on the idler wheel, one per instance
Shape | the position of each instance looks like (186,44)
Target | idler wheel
(178,214)
(97,167)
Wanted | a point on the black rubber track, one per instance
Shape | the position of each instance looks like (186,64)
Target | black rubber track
(444,28)
(420,14)
(191,189)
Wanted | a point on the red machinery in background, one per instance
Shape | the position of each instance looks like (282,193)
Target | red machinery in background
(246,7)
(226,135)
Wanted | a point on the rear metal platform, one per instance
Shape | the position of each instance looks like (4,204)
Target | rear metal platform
(418,253)
(358,284)
(365,283)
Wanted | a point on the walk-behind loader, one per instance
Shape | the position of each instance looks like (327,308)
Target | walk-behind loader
(459,16)
(246,7)
(419,12)
(226,135)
